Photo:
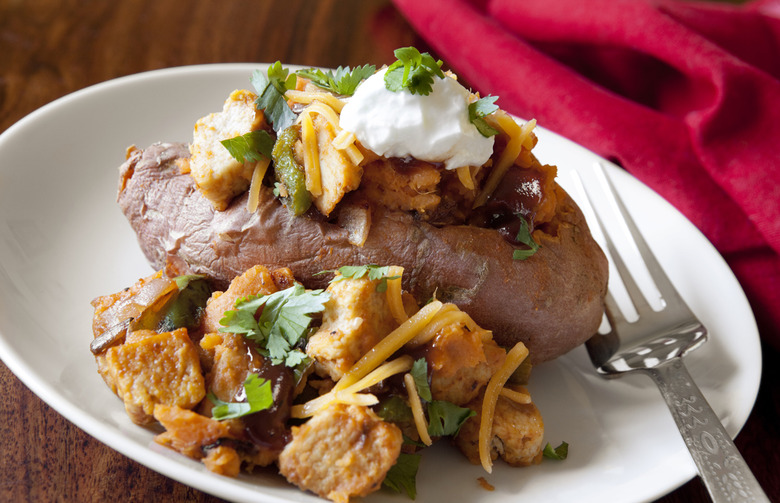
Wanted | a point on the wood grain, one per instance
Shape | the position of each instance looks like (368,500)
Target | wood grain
(50,48)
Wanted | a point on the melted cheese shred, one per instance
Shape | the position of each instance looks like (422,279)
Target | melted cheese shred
(448,315)
(345,141)
(308,97)
(389,345)
(465,177)
(311,156)
(393,293)
(518,138)
(257,181)
(515,396)
(351,395)
(514,358)
(417,410)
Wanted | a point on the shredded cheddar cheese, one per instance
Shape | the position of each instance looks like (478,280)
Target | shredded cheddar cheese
(308,97)
(448,315)
(351,393)
(517,138)
(514,358)
(465,177)
(417,411)
(311,156)
(393,292)
(516,396)
(389,345)
(257,181)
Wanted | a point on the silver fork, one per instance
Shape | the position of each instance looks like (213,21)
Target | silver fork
(655,344)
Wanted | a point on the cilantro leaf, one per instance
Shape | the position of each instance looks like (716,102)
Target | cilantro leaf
(394,409)
(259,396)
(446,418)
(282,325)
(373,271)
(558,453)
(270,95)
(420,375)
(403,474)
(481,109)
(413,71)
(524,237)
(343,82)
(250,146)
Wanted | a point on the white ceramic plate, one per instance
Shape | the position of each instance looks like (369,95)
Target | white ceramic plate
(63,241)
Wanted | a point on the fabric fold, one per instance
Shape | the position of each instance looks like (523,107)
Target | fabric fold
(684,95)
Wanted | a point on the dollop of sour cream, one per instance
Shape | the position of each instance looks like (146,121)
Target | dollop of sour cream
(433,127)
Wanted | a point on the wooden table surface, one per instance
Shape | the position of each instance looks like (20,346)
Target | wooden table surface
(49,48)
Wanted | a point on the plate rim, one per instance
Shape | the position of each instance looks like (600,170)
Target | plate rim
(93,426)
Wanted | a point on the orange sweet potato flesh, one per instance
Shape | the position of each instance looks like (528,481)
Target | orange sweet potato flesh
(552,301)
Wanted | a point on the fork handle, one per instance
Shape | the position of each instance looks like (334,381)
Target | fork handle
(721,467)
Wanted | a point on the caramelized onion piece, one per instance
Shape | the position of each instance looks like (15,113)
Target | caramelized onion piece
(115,334)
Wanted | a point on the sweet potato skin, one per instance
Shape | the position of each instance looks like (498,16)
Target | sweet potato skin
(552,301)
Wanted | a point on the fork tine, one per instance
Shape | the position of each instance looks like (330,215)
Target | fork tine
(614,313)
(637,296)
(667,290)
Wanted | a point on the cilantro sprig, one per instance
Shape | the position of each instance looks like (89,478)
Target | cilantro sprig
(402,476)
(280,331)
(557,453)
(259,396)
(270,87)
(413,71)
(343,82)
(524,237)
(250,146)
(373,271)
(480,109)
(444,418)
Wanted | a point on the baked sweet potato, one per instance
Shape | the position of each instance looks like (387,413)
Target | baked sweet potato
(552,301)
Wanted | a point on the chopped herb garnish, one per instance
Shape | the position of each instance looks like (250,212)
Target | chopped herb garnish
(251,146)
(270,89)
(403,474)
(558,453)
(373,271)
(343,82)
(185,309)
(446,418)
(481,109)
(281,330)
(259,396)
(524,237)
(420,375)
(412,71)
(394,409)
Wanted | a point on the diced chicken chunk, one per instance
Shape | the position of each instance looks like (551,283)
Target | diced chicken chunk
(151,368)
(223,460)
(188,432)
(339,175)
(113,309)
(219,176)
(356,318)
(518,433)
(461,363)
(233,359)
(402,186)
(343,451)
(257,280)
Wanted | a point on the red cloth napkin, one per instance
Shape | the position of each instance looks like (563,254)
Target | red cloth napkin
(684,95)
